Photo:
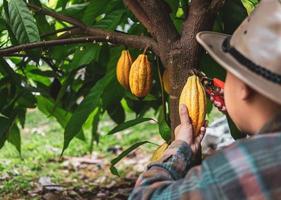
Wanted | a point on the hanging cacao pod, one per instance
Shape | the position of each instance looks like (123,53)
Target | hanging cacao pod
(123,68)
(194,97)
(140,78)
(166,82)
(158,153)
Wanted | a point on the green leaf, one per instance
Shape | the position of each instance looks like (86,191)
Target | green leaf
(47,107)
(7,70)
(5,125)
(27,100)
(109,97)
(95,123)
(14,138)
(43,25)
(36,71)
(116,112)
(250,5)
(67,83)
(1,115)
(124,154)
(21,116)
(233,13)
(218,24)
(150,97)
(22,22)
(114,171)
(75,10)
(176,6)
(39,76)
(5,10)
(180,12)
(94,9)
(211,68)
(163,126)
(81,136)
(111,20)
(128,124)
(209,106)
(83,111)
(2,25)
(84,56)
(165,130)
(111,101)
(61,3)
(6,16)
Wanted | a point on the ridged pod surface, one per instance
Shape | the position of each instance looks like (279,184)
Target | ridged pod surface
(166,82)
(140,76)
(194,97)
(123,68)
(158,153)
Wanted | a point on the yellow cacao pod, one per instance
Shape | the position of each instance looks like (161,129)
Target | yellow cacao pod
(123,68)
(140,79)
(158,153)
(166,82)
(194,97)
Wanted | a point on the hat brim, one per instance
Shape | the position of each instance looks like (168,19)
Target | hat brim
(212,43)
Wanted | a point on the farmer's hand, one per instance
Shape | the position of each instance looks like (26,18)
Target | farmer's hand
(185,133)
(218,101)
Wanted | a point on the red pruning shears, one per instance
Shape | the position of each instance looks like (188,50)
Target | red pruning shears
(214,89)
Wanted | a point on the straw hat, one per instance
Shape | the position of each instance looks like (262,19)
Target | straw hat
(253,52)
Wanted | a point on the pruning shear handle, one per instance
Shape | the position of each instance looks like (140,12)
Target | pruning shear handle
(214,89)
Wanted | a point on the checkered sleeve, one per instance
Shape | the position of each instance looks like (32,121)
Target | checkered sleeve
(168,178)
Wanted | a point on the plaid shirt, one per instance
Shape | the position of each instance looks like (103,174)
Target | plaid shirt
(248,169)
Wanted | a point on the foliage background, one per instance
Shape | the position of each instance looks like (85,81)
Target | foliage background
(74,82)
(63,95)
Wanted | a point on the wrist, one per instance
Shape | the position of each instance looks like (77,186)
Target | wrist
(184,139)
(181,147)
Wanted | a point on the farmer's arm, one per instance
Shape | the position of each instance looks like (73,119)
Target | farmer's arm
(168,178)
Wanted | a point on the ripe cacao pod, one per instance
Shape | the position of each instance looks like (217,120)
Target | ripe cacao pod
(140,78)
(158,153)
(194,97)
(166,82)
(123,68)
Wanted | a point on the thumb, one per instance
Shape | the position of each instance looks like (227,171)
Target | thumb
(184,118)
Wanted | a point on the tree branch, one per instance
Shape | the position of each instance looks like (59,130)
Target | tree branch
(66,29)
(116,38)
(140,14)
(49,62)
(57,16)
(128,40)
(99,34)
(71,33)
(158,13)
(200,17)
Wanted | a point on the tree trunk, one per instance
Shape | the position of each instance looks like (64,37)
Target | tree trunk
(181,66)
(185,53)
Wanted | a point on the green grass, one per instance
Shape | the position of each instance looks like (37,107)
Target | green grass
(42,140)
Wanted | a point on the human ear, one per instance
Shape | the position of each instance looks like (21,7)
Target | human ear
(246,92)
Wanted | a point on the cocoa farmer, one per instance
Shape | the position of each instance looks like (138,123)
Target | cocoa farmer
(249,168)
